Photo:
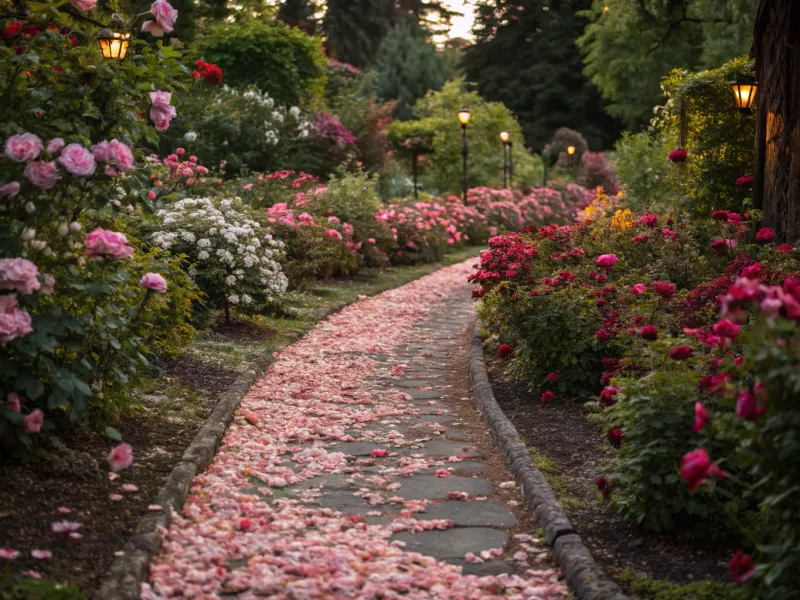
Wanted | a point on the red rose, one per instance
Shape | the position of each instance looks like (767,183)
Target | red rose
(603,486)
(741,567)
(616,437)
(664,289)
(724,328)
(552,377)
(12,30)
(607,396)
(785,248)
(649,333)
(744,181)
(213,75)
(678,155)
(749,407)
(700,417)
(680,352)
(752,272)
(696,466)
(547,397)
(504,351)
(720,215)
(765,235)
(244,524)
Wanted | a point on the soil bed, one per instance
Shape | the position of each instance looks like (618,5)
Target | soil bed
(570,452)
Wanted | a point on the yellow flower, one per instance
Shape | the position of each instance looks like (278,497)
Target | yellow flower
(622,220)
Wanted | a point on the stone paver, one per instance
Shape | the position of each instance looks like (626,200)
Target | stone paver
(359,453)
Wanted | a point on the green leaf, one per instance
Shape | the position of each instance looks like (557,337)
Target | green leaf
(113,434)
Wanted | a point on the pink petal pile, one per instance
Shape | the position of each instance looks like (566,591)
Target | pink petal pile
(244,532)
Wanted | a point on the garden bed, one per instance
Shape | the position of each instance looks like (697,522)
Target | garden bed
(570,453)
(171,411)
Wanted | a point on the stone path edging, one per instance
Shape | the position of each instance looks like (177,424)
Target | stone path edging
(125,576)
(585,578)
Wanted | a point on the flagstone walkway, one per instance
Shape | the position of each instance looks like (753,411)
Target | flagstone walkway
(356,468)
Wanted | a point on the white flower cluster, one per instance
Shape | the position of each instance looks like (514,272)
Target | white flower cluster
(231,251)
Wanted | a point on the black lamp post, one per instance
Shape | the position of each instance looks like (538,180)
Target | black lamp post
(463,118)
(545,163)
(507,172)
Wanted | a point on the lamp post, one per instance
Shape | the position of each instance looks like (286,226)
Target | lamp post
(504,139)
(744,92)
(570,153)
(545,163)
(463,118)
(113,44)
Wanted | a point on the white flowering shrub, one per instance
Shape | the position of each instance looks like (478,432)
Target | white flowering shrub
(235,261)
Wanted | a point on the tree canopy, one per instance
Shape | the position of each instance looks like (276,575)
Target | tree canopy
(525,57)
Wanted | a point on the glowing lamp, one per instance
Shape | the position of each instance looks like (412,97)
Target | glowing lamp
(112,44)
(463,116)
(570,150)
(744,92)
(504,136)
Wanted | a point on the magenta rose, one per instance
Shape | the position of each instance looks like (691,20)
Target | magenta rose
(19,275)
(165,18)
(9,190)
(154,281)
(696,466)
(14,323)
(700,417)
(78,160)
(765,235)
(33,422)
(14,403)
(42,174)
(120,457)
(639,289)
(110,244)
(24,147)
(606,261)
(161,112)
(54,145)
(741,567)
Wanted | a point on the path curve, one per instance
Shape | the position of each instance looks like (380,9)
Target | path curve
(347,473)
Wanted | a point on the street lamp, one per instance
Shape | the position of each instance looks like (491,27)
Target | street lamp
(507,160)
(744,92)
(463,118)
(570,152)
(113,44)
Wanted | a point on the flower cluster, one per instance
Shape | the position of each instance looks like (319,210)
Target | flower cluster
(209,72)
(237,262)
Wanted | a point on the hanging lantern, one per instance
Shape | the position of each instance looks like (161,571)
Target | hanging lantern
(112,44)
(744,92)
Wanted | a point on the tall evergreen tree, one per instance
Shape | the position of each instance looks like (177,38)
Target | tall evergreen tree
(407,67)
(525,57)
(355,29)
(299,13)
(629,46)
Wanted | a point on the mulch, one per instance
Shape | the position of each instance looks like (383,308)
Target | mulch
(76,477)
(560,432)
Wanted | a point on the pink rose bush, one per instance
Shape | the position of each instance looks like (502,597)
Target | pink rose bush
(100,243)
(165,17)
(14,322)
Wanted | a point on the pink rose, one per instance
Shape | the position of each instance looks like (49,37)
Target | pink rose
(114,152)
(24,147)
(14,402)
(33,422)
(110,244)
(700,417)
(639,289)
(765,235)
(154,281)
(120,457)
(19,274)
(161,113)
(696,466)
(606,261)
(165,18)
(14,323)
(54,145)
(332,233)
(83,5)
(77,160)
(42,174)
(48,285)
(9,190)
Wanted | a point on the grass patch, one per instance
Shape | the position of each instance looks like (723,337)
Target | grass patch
(559,483)
(642,587)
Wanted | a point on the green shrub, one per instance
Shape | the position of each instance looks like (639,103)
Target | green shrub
(23,588)
(280,60)
(719,139)
(643,171)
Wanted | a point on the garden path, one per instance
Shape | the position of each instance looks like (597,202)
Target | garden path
(353,471)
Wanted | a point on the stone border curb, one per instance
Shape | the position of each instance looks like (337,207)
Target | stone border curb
(584,577)
(124,578)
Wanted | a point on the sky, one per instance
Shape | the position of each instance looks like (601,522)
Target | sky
(461,25)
